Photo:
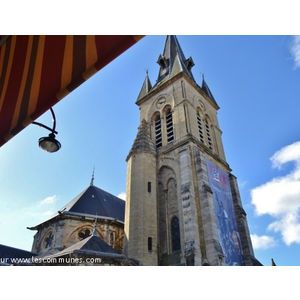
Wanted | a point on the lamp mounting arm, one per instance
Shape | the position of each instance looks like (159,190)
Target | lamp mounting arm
(46,127)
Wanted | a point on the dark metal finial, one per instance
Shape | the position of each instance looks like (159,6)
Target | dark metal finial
(94,229)
(92,180)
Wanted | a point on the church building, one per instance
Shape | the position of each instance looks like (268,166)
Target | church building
(183,205)
(89,230)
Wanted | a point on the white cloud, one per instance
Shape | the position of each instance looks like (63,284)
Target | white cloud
(122,196)
(295,50)
(287,154)
(289,227)
(242,184)
(280,197)
(47,213)
(44,208)
(262,242)
(48,200)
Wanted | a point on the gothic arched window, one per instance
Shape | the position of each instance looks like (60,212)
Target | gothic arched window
(200,128)
(158,137)
(169,125)
(208,134)
(84,233)
(175,232)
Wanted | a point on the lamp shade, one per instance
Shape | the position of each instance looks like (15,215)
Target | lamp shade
(49,143)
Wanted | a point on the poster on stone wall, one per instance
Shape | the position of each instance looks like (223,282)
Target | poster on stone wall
(225,216)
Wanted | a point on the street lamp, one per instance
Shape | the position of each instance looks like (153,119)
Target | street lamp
(49,143)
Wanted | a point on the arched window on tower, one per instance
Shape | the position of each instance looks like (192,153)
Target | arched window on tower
(208,134)
(169,125)
(158,137)
(200,128)
(175,232)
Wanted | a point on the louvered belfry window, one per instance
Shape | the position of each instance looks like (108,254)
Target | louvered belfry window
(200,128)
(169,123)
(208,134)
(158,137)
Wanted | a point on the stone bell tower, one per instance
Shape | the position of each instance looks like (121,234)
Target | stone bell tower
(182,203)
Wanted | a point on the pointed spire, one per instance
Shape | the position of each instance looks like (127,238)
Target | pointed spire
(142,142)
(147,86)
(206,90)
(94,227)
(92,180)
(173,53)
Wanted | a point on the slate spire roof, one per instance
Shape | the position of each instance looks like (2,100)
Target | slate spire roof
(173,58)
(143,141)
(147,86)
(172,62)
(206,90)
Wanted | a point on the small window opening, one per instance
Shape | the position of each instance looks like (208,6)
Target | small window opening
(162,61)
(149,243)
(149,187)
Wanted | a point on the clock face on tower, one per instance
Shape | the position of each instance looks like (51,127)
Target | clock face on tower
(202,105)
(160,102)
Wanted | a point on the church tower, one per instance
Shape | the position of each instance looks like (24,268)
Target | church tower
(182,203)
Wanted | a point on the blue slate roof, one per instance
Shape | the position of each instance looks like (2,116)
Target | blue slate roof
(95,203)
(10,255)
(92,246)
(207,91)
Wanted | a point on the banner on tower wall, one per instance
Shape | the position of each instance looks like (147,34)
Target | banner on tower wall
(225,216)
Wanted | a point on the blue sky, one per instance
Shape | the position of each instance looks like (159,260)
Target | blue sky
(255,81)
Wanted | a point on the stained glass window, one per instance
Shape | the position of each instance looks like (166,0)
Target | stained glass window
(175,234)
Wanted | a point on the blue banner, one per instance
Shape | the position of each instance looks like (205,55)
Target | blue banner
(226,221)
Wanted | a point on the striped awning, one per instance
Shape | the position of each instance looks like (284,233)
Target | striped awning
(38,71)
